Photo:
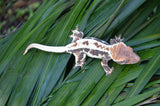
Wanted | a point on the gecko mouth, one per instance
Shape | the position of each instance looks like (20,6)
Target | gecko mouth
(128,58)
(132,60)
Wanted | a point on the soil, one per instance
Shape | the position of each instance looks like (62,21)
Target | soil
(14,13)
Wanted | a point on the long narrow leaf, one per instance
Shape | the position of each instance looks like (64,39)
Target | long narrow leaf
(145,75)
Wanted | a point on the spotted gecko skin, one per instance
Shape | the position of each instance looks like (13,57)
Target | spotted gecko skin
(81,47)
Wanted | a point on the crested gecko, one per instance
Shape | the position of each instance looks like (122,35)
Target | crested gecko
(81,47)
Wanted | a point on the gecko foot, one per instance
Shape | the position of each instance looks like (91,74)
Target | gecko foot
(74,67)
(108,72)
(81,65)
(76,34)
(119,39)
(116,40)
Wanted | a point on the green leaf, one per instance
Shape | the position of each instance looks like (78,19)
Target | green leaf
(110,96)
(41,78)
(145,75)
(136,99)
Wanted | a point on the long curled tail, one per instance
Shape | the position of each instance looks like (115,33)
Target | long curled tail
(59,49)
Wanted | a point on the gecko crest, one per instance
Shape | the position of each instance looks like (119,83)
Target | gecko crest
(81,47)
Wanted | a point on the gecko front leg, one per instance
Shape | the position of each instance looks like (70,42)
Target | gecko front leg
(116,40)
(79,59)
(105,66)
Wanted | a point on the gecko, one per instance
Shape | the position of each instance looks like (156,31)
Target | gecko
(81,47)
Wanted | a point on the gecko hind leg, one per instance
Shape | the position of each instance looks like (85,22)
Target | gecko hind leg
(76,35)
(105,66)
(79,59)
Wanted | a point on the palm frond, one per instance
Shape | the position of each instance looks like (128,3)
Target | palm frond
(41,78)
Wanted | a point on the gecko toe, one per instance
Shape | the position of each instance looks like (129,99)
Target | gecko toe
(112,69)
(108,72)
(75,67)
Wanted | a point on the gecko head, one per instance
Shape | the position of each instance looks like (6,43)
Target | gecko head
(123,54)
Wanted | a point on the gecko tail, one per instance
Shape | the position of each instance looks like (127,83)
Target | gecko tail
(60,49)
